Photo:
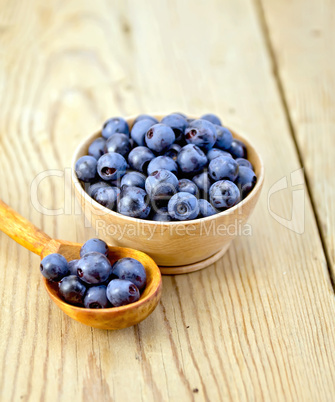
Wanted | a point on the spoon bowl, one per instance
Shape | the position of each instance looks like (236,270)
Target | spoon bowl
(29,236)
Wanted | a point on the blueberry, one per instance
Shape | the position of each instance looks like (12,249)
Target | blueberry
(97,148)
(97,245)
(140,129)
(54,267)
(159,137)
(86,168)
(173,151)
(139,158)
(177,122)
(244,162)
(223,168)
(133,179)
(96,297)
(134,202)
(72,290)
(215,152)
(161,215)
(246,180)
(115,125)
(224,138)
(94,268)
(73,267)
(111,166)
(94,187)
(205,208)
(145,117)
(201,133)
(130,270)
(118,143)
(212,118)
(238,149)
(121,292)
(162,162)
(161,184)
(224,194)
(191,159)
(188,186)
(183,206)
(203,182)
(107,196)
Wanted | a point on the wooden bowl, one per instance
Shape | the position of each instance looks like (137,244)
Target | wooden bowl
(177,247)
(116,317)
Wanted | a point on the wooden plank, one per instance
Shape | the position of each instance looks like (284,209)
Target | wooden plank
(258,324)
(303,40)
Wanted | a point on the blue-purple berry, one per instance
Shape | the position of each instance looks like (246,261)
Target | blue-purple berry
(54,267)
(96,297)
(94,268)
(131,270)
(86,168)
(122,292)
(96,245)
(114,126)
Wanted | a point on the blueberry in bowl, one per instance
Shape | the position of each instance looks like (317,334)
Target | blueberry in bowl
(197,153)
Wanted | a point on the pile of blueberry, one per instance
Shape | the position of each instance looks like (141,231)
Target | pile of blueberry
(173,170)
(92,281)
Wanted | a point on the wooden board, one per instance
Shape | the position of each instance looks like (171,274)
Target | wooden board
(256,325)
(302,36)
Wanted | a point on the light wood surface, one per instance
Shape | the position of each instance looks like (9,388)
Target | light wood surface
(256,325)
(302,36)
(181,247)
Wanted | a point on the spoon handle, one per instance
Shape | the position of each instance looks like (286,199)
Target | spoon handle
(21,230)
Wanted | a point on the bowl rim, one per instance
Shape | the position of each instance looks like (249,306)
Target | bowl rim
(116,310)
(159,116)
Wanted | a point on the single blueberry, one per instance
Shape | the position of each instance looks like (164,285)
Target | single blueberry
(113,126)
(86,168)
(92,188)
(191,159)
(224,138)
(203,182)
(188,186)
(223,168)
(72,290)
(54,267)
(215,152)
(133,179)
(97,148)
(161,184)
(201,133)
(140,129)
(173,151)
(94,268)
(159,137)
(205,208)
(177,122)
(134,202)
(73,267)
(107,197)
(131,270)
(244,162)
(118,143)
(212,118)
(238,149)
(246,180)
(121,292)
(111,166)
(145,117)
(96,297)
(139,158)
(224,194)
(97,245)
(162,162)
(183,206)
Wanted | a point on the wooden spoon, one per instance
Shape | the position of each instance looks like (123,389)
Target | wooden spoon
(32,238)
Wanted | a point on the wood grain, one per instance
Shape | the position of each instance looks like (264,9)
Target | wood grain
(302,36)
(256,325)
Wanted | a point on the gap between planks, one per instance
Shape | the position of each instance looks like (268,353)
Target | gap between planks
(275,70)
